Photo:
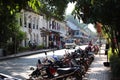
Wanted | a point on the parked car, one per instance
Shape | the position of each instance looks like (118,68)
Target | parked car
(70,43)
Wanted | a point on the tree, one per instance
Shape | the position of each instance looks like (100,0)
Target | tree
(8,10)
(9,28)
(54,8)
(104,11)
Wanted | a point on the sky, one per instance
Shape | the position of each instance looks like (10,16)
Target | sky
(91,27)
(69,10)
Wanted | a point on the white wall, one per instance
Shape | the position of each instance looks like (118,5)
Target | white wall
(35,34)
(35,20)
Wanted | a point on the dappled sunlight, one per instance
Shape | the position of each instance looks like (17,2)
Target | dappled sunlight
(8,68)
(98,75)
(97,70)
(82,47)
(19,73)
(20,67)
(34,56)
(51,53)
(101,51)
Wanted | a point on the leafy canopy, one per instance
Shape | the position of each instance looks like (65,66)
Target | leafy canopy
(104,11)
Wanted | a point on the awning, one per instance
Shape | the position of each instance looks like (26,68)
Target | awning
(72,26)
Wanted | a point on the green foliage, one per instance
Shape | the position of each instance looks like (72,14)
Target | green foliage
(49,8)
(20,35)
(104,11)
(35,5)
(54,8)
(115,65)
(23,49)
(8,24)
(40,47)
(6,28)
(9,48)
(13,5)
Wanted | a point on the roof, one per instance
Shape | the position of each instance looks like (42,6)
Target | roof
(72,26)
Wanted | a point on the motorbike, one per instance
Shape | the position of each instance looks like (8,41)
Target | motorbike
(89,53)
(84,58)
(53,71)
(72,66)
(95,49)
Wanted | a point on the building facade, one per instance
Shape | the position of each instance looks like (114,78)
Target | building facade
(40,31)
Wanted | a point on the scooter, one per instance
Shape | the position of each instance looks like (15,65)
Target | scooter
(52,72)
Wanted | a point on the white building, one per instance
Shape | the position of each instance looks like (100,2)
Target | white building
(41,31)
(77,33)
(57,32)
(31,23)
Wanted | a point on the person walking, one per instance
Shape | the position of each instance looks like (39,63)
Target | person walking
(106,48)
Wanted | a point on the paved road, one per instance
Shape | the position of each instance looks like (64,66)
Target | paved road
(20,67)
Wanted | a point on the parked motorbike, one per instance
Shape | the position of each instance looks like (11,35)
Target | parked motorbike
(52,71)
(85,57)
(89,53)
(72,66)
(95,49)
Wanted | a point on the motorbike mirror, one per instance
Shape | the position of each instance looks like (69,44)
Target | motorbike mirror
(32,68)
(73,47)
(45,53)
(53,51)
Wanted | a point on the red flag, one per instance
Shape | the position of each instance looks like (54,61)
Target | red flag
(99,25)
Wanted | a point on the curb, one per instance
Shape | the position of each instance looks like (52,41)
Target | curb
(23,54)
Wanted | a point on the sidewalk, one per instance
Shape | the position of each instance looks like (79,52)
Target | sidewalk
(24,54)
(97,70)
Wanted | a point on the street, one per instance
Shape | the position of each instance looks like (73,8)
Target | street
(20,67)
(30,29)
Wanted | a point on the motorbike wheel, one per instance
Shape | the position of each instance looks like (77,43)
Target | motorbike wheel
(76,76)
(61,79)
(83,70)
(86,66)
(70,78)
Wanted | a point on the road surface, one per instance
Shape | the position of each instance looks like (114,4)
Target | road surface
(20,67)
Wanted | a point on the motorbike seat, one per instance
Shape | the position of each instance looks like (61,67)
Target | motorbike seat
(61,71)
